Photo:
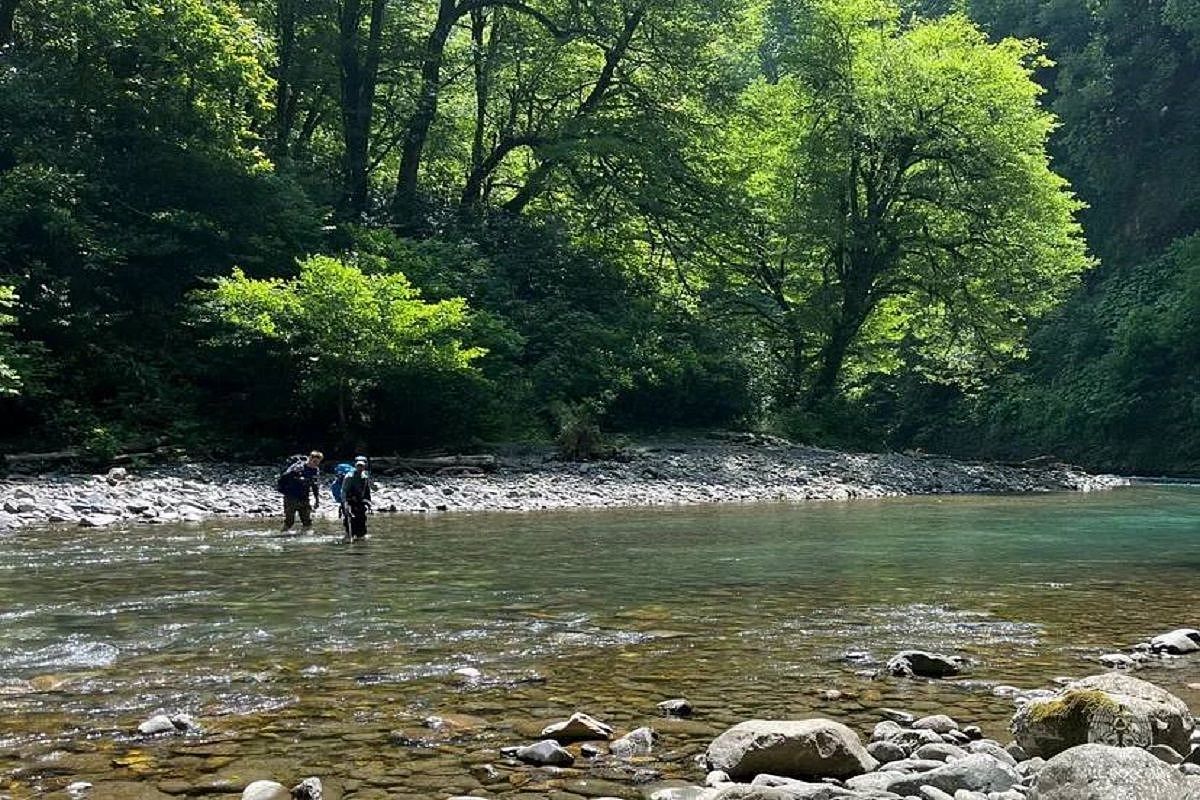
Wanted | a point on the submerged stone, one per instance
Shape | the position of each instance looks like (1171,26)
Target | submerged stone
(921,664)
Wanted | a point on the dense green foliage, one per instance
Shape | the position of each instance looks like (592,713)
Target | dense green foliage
(896,189)
(345,332)
(1114,378)
(1111,380)
(10,380)
(232,225)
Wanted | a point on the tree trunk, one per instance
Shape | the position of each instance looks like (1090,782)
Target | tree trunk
(831,359)
(285,101)
(857,285)
(358,79)
(795,363)
(308,128)
(405,200)
(473,193)
(8,12)
(539,177)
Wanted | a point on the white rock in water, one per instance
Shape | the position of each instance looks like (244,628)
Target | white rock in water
(184,722)
(1117,661)
(308,789)
(159,723)
(1177,642)
(579,727)
(78,788)
(266,790)
(467,674)
(678,707)
(919,663)
(716,778)
(638,742)
(545,753)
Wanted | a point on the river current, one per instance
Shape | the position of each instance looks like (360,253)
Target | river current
(300,656)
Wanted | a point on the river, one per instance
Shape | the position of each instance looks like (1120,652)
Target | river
(300,656)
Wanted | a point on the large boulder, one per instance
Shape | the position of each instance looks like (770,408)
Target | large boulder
(809,748)
(1103,772)
(1113,708)
(975,773)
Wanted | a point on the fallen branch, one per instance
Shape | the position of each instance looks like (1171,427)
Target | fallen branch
(436,464)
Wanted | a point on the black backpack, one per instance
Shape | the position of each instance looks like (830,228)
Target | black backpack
(286,475)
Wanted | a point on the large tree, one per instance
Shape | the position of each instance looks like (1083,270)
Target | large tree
(894,185)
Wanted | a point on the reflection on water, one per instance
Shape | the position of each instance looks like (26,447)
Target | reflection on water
(303,656)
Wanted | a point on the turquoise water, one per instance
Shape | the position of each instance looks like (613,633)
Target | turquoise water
(301,656)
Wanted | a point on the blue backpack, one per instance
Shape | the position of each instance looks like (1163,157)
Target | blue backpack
(339,472)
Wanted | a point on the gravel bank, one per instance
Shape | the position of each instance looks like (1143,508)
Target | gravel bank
(749,470)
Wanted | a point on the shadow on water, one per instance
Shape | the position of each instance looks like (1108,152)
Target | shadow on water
(302,655)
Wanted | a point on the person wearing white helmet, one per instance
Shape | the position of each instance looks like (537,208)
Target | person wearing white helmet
(356,499)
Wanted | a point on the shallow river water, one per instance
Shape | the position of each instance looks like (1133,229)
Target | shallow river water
(300,656)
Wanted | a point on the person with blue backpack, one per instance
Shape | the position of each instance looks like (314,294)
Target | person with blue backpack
(335,488)
(356,499)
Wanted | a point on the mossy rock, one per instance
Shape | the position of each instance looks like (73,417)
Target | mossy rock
(1109,709)
(1075,704)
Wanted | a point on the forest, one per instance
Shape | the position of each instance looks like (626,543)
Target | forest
(243,228)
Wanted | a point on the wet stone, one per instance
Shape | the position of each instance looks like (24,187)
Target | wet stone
(677,707)
(902,718)
(125,790)
(589,787)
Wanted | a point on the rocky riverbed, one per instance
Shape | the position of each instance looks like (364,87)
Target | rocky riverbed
(748,470)
(1109,736)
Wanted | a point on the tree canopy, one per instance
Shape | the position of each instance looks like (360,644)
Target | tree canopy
(892,185)
(434,221)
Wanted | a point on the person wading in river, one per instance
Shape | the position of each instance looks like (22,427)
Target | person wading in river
(295,484)
(356,499)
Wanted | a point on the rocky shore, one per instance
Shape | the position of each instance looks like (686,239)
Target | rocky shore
(740,469)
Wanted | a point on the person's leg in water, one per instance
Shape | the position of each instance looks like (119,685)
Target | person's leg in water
(290,504)
(305,509)
(344,516)
(358,520)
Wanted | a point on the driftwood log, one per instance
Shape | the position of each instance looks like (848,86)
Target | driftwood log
(445,465)
(34,461)
(62,459)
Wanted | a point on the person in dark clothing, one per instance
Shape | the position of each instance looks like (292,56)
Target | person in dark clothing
(356,499)
(296,483)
